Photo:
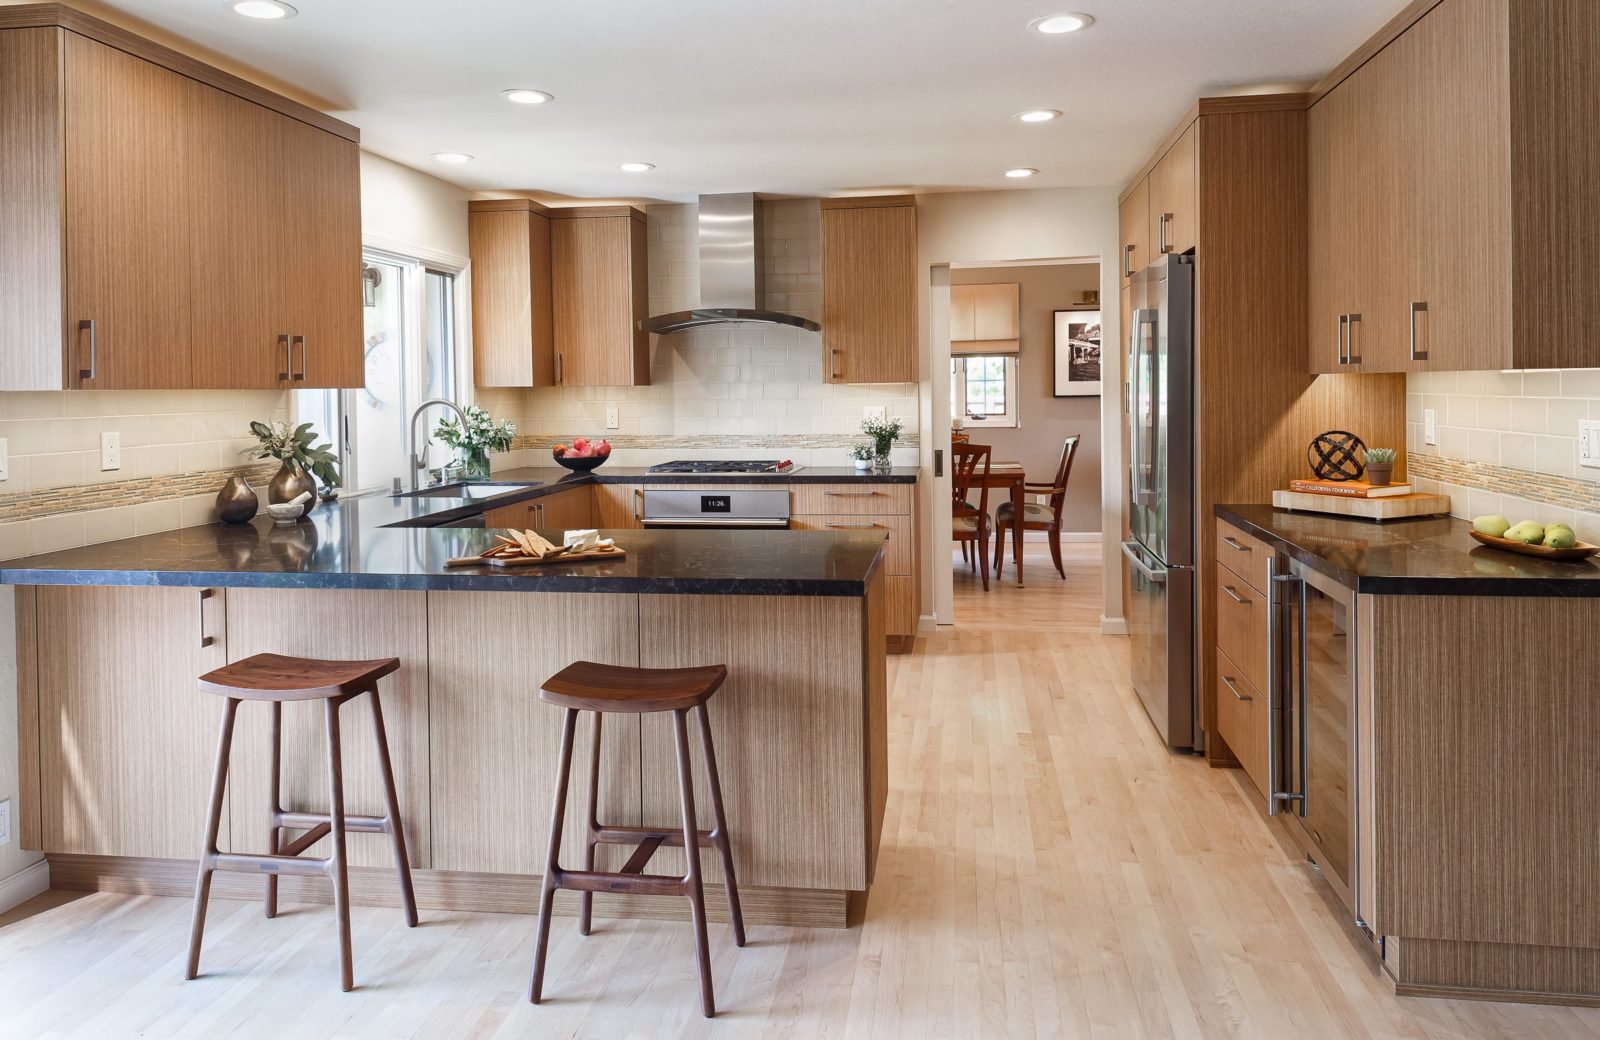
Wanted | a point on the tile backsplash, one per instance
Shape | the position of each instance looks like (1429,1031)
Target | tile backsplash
(173,443)
(727,391)
(1507,443)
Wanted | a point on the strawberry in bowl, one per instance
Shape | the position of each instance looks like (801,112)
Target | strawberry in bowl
(582,455)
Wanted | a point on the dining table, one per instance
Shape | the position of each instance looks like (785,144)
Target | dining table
(1003,475)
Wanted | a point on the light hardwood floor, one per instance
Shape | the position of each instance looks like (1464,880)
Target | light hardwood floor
(1048,870)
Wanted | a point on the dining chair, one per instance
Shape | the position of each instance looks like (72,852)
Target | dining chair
(969,522)
(1039,516)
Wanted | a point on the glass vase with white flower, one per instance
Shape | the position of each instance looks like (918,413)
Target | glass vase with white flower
(475,439)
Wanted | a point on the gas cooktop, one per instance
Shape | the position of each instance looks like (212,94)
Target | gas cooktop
(726,466)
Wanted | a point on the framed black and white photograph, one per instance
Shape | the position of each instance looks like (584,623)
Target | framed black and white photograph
(1077,354)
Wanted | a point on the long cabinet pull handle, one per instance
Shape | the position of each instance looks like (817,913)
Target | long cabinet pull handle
(869,525)
(1127,261)
(1233,594)
(1228,682)
(638,500)
(1352,356)
(561,375)
(1338,338)
(87,325)
(1416,307)
(301,375)
(851,494)
(1234,543)
(833,363)
(205,640)
(1161,227)
(287,339)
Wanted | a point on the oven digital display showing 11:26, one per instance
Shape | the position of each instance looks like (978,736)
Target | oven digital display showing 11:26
(716,504)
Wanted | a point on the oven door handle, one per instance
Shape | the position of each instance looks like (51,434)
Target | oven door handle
(1277,768)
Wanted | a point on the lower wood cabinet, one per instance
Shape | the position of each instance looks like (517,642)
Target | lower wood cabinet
(561,511)
(617,506)
(1242,720)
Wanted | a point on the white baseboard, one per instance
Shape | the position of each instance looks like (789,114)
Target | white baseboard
(1113,626)
(927,623)
(24,885)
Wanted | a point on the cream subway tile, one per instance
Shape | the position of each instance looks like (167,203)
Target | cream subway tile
(1541,383)
(1580,382)
(1504,384)
(1413,406)
(58,469)
(56,532)
(1519,451)
(33,404)
(1483,446)
(155,517)
(1565,413)
(1479,503)
(197,510)
(1558,455)
(194,458)
(1529,415)
(108,525)
(1460,411)
(1473,383)
(1494,413)
(14,539)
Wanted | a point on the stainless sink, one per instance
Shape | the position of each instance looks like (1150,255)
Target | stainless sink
(473,491)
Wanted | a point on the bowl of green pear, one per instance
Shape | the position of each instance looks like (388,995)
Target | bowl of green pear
(1553,542)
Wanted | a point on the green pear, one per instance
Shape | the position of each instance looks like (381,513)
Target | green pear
(1559,536)
(1495,526)
(1527,532)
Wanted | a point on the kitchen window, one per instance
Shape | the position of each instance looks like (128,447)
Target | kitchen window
(411,332)
(983,389)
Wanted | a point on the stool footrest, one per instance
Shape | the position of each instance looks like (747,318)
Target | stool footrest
(672,839)
(641,855)
(254,864)
(303,820)
(631,884)
(306,840)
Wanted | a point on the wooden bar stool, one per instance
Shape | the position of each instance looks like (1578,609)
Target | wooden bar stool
(602,688)
(275,679)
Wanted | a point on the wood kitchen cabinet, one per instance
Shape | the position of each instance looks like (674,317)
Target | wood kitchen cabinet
(599,294)
(1133,220)
(616,506)
(869,290)
(513,332)
(1451,188)
(1174,200)
(986,317)
(561,511)
(168,225)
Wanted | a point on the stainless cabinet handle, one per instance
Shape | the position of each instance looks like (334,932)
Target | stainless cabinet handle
(302,376)
(87,325)
(1274,668)
(1161,232)
(1352,356)
(833,363)
(1127,264)
(1338,338)
(561,374)
(288,356)
(205,640)
(1233,594)
(851,494)
(1226,681)
(638,500)
(1233,543)
(867,525)
(1417,355)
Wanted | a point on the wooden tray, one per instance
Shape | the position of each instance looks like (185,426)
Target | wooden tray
(1394,507)
(612,553)
(1579,551)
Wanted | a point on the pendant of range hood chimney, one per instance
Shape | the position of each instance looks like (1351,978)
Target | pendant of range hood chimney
(731,286)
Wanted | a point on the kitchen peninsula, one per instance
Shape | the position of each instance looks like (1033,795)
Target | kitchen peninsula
(116,744)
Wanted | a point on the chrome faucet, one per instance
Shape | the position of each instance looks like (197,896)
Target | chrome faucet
(419,462)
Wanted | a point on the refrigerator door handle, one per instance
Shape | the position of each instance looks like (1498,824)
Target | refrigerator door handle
(1145,491)
(1155,577)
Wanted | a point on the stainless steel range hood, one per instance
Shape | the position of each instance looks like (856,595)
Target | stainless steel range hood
(731,282)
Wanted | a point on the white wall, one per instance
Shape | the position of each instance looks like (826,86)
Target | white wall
(973,227)
(406,209)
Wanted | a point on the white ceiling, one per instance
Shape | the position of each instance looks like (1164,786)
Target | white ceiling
(800,97)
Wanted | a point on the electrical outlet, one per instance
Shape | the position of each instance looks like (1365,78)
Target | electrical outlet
(5,459)
(110,450)
(875,411)
(612,421)
(1430,426)
(1589,443)
(5,822)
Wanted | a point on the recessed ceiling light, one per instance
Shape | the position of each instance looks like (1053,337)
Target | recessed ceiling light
(1056,24)
(523,96)
(267,10)
(1037,115)
(636,167)
(452,157)
(1021,171)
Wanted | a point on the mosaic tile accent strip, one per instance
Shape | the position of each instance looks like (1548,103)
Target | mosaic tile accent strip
(1566,492)
(31,505)
(704,441)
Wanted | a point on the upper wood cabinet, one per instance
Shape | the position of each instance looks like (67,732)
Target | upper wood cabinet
(1452,186)
(512,329)
(1133,218)
(869,290)
(1174,199)
(985,318)
(599,294)
(167,225)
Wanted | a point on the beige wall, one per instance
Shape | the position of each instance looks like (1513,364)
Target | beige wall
(406,210)
(1046,420)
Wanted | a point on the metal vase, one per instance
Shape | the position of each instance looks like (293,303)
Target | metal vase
(288,483)
(237,502)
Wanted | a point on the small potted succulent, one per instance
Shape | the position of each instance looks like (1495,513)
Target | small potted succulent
(476,440)
(884,431)
(1380,466)
(862,454)
(304,461)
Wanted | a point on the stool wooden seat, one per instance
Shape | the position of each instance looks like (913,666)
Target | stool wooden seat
(275,679)
(601,688)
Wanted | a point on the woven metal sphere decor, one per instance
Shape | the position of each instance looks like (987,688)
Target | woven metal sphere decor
(1333,456)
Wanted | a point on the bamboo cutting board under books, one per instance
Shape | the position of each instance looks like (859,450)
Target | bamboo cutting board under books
(1395,508)
(1350,488)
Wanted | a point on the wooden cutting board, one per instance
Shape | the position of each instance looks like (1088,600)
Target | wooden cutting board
(1393,508)
(532,561)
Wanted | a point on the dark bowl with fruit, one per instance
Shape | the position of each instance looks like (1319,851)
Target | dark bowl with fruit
(582,455)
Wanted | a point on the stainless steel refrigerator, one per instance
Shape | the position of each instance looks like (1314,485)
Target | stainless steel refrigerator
(1160,553)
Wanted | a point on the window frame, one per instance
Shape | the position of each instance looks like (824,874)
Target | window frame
(1009,419)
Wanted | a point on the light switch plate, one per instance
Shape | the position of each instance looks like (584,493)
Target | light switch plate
(5,822)
(612,420)
(875,411)
(5,459)
(1430,426)
(110,450)
(1589,443)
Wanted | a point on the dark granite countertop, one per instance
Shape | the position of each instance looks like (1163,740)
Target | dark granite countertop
(385,542)
(609,474)
(1423,557)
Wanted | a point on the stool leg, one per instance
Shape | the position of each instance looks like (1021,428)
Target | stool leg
(275,803)
(586,901)
(397,834)
(547,890)
(691,849)
(208,851)
(337,862)
(723,842)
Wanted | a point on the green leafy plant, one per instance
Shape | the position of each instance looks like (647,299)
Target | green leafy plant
(862,452)
(480,431)
(1382,456)
(883,431)
(296,447)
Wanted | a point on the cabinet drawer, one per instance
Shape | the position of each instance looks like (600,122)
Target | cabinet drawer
(1245,555)
(1242,627)
(897,554)
(853,499)
(1242,719)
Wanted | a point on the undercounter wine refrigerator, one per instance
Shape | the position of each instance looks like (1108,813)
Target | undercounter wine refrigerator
(1160,551)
